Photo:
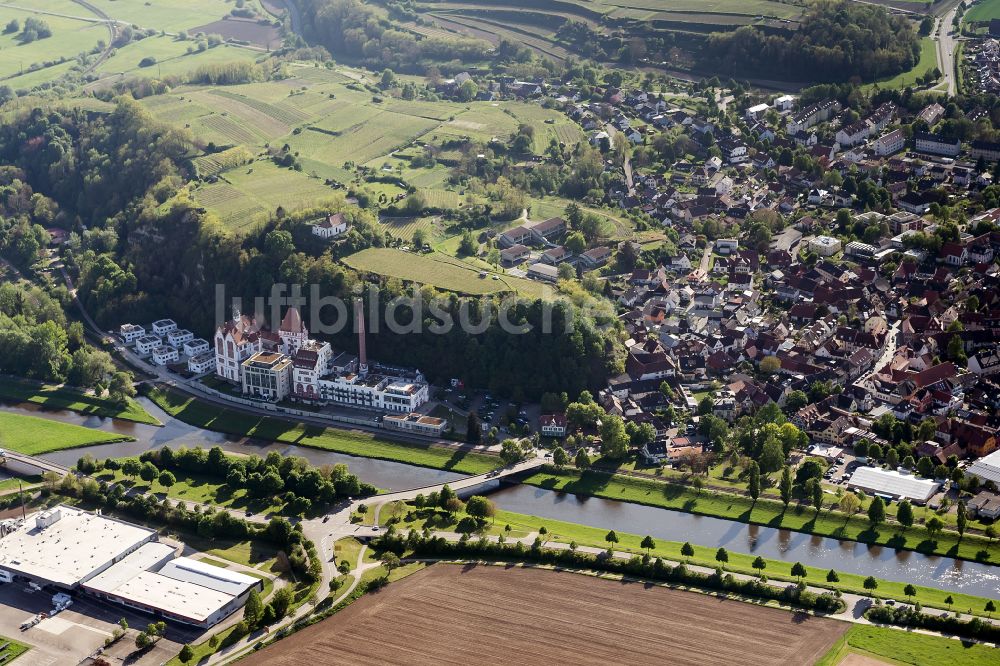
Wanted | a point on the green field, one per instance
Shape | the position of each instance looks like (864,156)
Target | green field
(250,190)
(331,125)
(169,15)
(984,10)
(69,38)
(76,29)
(441,271)
(32,436)
(584,535)
(351,442)
(53,397)
(766,512)
(896,646)
(172,57)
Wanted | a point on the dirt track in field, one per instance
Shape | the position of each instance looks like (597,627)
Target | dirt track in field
(467,616)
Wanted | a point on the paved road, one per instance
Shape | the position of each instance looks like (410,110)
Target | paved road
(706,259)
(892,340)
(944,36)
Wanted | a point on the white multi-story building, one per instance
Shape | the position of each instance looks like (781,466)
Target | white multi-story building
(131,332)
(164,326)
(890,143)
(163,355)
(178,337)
(195,347)
(201,363)
(825,246)
(147,343)
(266,375)
(373,391)
(292,332)
(293,365)
(235,342)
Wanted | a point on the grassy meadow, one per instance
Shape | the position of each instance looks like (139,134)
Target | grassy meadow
(440,271)
(69,38)
(896,646)
(55,397)
(32,436)
(351,442)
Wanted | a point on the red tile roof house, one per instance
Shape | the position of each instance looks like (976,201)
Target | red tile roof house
(552,425)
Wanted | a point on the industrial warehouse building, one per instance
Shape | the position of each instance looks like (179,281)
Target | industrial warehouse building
(893,485)
(987,468)
(71,549)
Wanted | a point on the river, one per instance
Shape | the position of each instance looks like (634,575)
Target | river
(846,556)
(175,433)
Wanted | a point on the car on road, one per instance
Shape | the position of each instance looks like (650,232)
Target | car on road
(375,528)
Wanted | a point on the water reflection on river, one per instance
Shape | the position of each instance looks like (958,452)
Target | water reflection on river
(174,434)
(847,556)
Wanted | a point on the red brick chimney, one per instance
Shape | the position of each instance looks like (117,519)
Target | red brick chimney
(359,315)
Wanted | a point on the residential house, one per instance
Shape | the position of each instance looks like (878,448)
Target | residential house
(552,425)
(890,143)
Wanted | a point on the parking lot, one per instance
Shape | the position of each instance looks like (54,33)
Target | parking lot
(77,632)
(493,411)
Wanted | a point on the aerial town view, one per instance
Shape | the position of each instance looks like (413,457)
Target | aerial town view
(410,332)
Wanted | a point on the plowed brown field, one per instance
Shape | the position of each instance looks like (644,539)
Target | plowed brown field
(468,616)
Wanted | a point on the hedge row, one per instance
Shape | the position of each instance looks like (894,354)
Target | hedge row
(905,616)
(639,567)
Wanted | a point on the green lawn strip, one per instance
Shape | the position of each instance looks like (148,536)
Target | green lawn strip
(204,649)
(13,649)
(584,535)
(215,563)
(59,397)
(765,512)
(347,549)
(31,435)
(906,647)
(353,443)
(731,482)
(7,486)
(394,575)
(197,488)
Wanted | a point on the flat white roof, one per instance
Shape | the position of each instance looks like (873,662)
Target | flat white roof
(232,583)
(182,587)
(70,550)
(147,557)
(177,597)
(987,468)
(896,484)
